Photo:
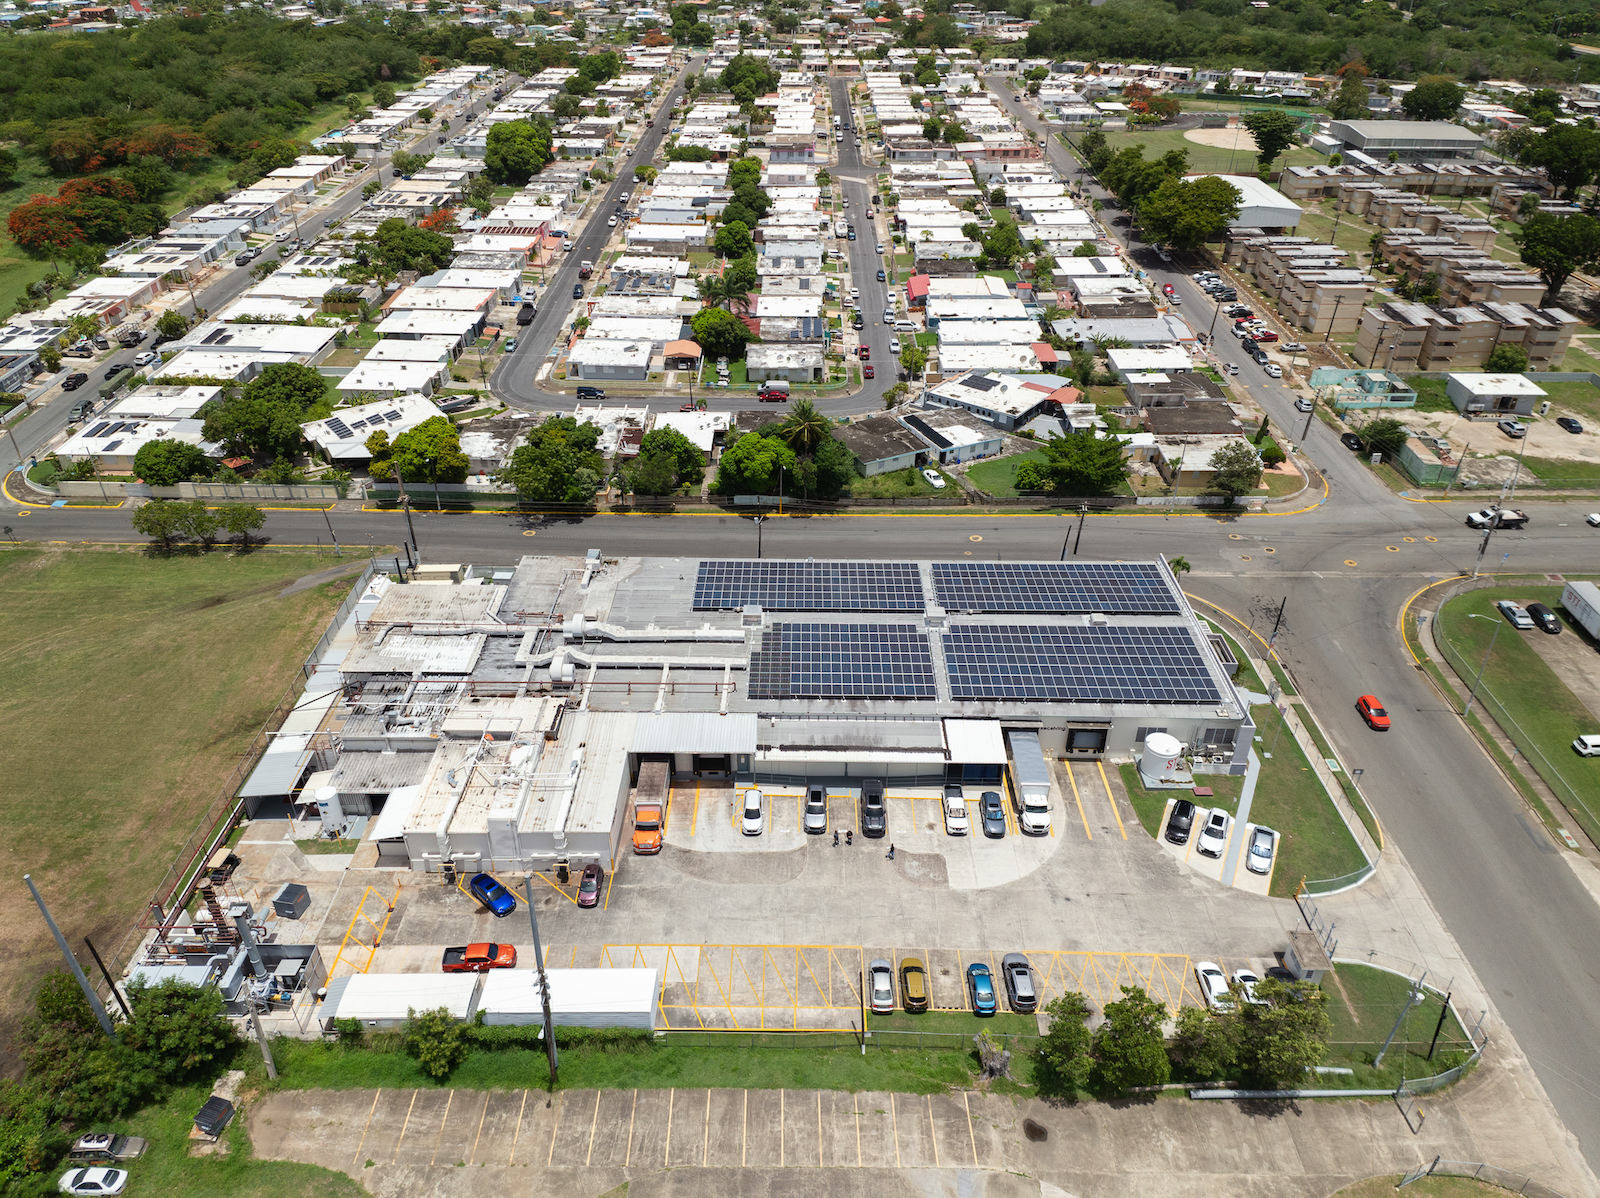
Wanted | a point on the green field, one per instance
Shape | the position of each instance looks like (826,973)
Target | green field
(898,484)
(998,476)
(105,714)
(1313,841)
(1363,1004)
(1206,158)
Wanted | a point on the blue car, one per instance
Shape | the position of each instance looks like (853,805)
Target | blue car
(500,901)
(980,986)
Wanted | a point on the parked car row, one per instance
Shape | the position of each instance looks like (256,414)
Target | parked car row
(1016,977)
(1212,840)
(1533,615)
(874,813)
(1222,993)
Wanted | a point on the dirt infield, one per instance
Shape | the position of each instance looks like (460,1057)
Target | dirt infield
(1235,138)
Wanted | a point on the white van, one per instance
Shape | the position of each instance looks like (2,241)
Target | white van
(904,326)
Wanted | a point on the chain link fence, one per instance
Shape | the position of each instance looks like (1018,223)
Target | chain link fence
(1506,1179)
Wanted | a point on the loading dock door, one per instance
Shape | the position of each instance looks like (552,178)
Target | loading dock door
(712,765)
(1087,741)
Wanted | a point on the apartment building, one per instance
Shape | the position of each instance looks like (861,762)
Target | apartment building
(1411,337)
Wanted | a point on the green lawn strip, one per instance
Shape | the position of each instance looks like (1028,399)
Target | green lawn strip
(1349,232)
(1363,1004)
(1349,787)
(327,847)
(1437,1186)
(1313,841)
(1548,715)
(1281,483)
(998,476)
(156,764)
(167,1169)
(1562,472)
(1430,394)
(825,1061)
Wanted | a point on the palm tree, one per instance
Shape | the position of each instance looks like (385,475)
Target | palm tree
(711,290)
(83,326)
(806,428)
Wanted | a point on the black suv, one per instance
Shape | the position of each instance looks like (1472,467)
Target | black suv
(73,381)
(591,393)
(874,817)
(1181,822)
(1544,618)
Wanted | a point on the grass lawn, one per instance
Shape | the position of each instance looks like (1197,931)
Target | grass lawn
(1426,1187)
(1350,791)
(1580,398)
(1548,714)
(927,340)
(822,1062)
(1313,841)
(1582,355)
(18,271)
(168,1169)
(1206,158)
(1150,805)
(998,476)
(1363,1004)
(737,373)
(98,628)
(1106,396)
(1352,234)
(898,484)
(1562,472)
(1430,394)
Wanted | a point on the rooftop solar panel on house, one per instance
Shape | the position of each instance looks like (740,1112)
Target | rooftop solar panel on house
(808,586)
(1101,664)
(1115,588)
(842,661)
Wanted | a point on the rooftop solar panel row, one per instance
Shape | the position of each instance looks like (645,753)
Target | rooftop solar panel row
(1077,665)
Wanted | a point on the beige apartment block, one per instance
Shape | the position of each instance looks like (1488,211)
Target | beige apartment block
(1409,336)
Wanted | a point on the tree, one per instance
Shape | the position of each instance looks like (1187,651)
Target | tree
(397,246)
(1569,154)
(1129,1049)
(1061,1058)
(370,188)
(239,520)
(1506,359)
(515,151)
(1384,436)
(913,359)
(1434,98)
(406,163)
(1002,243)
(9,164)
(383,95)
(687,458)
(748,77)
(263,420)
(739,278)
(645,174)
(652,474)
(149,176)
(751,465)
(167,462)
(1283,1034)
(1273,130)
(1236,470)
(805,428)
(1273,456)
(1179,566)
(1187,213)
(1556,246)
(430,452)
(733,240)
(1349,103)
(1077,464)
(181,1030)
(45,227)
(435,1039)
(721,334)
(163,521)
(274,154)
(172,324)
(1204,1046)
(558,463)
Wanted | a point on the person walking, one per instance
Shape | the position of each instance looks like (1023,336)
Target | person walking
(891,850)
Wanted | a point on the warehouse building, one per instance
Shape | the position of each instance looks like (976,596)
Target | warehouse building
(512,709)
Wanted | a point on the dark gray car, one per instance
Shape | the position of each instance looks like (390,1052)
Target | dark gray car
(1546,619)
(874,817)
(1181,822)
(993,814)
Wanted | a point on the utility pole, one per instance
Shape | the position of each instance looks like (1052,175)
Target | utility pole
(1083,513)
(261,1039)
(1414,997)
(72,963)
(337,552)
(1276,622)
(544,984)
(110,985)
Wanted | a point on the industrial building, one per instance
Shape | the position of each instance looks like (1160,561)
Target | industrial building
(497,718)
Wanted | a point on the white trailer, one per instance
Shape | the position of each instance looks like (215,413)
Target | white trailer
(1030,778)
(1582,601)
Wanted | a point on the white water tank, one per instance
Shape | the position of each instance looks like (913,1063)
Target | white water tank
(330,809)
(1161,757)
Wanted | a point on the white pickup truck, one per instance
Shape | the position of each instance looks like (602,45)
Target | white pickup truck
(1496,517)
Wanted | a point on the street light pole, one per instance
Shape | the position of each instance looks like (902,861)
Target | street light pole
(1473,693)
(759,521)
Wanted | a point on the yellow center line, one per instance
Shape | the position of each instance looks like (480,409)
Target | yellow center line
(1111,798)
(1079,799)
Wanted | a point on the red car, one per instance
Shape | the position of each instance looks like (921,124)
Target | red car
(1265,335)
(869,372)
(590,885)
(864,352)
(1372,711)
(1167,289)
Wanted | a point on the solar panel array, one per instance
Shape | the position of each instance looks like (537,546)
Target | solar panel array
(1077,665)
(1116,588)
(861,661)
(808,586)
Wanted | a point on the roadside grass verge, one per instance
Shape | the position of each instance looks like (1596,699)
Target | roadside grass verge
(998,476)
(1313,841)
(1350,791)
(106,713)
(897,484)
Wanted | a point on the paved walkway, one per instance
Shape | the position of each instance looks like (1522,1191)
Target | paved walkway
(739,1142)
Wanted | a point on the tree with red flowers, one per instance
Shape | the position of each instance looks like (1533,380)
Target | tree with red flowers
(45,226)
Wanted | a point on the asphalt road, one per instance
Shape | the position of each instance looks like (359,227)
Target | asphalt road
(514,379)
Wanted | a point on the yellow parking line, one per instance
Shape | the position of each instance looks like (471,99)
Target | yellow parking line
(1079,799)
(1111,798)
(610,879)
(555,887)
(694,821)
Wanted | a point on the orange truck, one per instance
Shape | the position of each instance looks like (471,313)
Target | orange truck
(476,958)
(650,807)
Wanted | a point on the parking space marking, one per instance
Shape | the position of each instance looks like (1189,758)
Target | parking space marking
(896,1115)
(516,1135)
(855,1103)
(367,1126)
(967,1106)
(780,1128)
(594,1122)
(407,1122)
(555,1123)
(1111,797)
(933,1133)
(448,1101)
(666,1140)
(482,1115)
(1079,798)
(819,1129)
(633,1113)
(705,1143)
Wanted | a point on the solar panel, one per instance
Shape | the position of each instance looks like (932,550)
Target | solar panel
(338,427)
(1116,588)
(808,586)
(843,661)
(1077,665)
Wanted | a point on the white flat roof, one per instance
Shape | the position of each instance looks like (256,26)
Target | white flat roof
(390,996)
(1496,384)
